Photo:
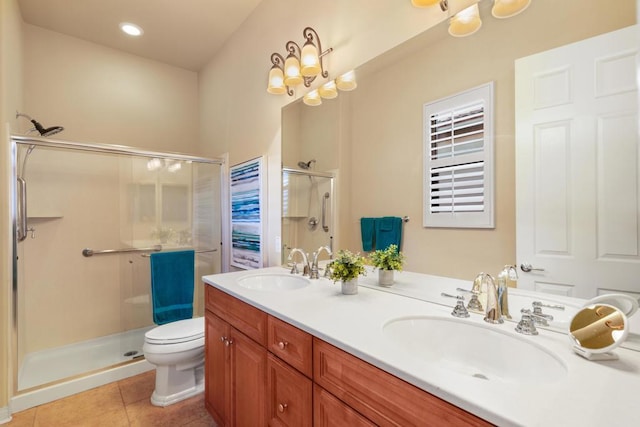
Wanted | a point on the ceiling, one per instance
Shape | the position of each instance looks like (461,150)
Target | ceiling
(184,33)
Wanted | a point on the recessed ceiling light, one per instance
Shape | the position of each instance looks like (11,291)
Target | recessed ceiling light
(131,29)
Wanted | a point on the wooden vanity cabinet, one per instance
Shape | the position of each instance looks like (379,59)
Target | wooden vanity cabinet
(383,398)
(262,371)
(236,365)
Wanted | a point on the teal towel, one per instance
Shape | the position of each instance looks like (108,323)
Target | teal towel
(367,230)
(388,232)
(172,276)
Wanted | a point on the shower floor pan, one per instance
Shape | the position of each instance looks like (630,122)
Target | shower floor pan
(55,364)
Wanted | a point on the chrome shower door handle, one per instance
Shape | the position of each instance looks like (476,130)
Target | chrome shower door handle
(526,267)
(325,227)
(21,229)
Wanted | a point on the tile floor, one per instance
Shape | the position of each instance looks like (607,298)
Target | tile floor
(119,404)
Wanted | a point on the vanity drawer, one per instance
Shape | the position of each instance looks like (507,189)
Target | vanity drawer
(291,345)
(331,412)
(290,395)
(244,317)
(381,397)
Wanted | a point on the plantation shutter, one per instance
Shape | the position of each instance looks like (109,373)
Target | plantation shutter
(458,147)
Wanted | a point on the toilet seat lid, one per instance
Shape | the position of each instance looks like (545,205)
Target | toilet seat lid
(176,332)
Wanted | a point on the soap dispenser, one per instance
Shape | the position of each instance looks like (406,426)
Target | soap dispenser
(507,278)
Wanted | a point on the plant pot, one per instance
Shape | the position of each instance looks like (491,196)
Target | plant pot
(385,277)
(350,287)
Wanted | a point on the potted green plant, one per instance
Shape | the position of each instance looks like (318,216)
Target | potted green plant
(346,267)
(387,261)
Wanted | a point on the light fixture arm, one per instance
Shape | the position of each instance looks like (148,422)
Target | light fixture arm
(278,61)
(310,35)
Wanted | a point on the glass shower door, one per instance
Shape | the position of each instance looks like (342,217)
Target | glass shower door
(83,295)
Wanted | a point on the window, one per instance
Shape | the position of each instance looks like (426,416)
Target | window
(458,160)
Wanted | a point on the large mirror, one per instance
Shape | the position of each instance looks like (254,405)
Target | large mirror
(372,138)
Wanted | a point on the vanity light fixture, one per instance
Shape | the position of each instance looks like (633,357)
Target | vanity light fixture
(312,98)
(508,8)
(131,29)
(302,66)
(465,22)
(347,81)
(424,3)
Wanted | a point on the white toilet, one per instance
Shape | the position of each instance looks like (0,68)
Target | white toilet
(177,350)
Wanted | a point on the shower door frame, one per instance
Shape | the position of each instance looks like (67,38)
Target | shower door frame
(16,141)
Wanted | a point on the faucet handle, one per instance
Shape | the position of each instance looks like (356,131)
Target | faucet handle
(527,325)
(541,318)
(294,268)
(474,303)
(459,310)
(541,304)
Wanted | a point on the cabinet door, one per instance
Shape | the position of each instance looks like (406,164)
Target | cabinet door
(217,382)
(289,395)
(248,382)
(328,411)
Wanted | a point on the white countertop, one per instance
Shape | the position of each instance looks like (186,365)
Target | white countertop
(591,393)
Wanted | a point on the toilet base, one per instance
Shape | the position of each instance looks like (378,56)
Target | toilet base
(158,400)
(174,385)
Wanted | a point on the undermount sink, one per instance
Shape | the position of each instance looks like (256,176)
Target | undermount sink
(474,350)
(273,282)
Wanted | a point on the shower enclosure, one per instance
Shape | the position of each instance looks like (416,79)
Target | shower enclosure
(307,211)
(86,218)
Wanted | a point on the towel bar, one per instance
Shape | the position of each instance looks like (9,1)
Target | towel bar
(198,252)
(90,252)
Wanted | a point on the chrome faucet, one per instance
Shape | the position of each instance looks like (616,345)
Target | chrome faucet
(314,264)
(493,313)
(305,262)
(509,274)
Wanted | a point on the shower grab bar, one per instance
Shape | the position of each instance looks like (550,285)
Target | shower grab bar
(22,210)
(90,252)
(325,227)
(198,252)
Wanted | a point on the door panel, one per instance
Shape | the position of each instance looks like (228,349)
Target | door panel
(577,157)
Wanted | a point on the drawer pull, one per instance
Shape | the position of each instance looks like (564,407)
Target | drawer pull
(223,339)
(228,342)
(282,345)
(282,407)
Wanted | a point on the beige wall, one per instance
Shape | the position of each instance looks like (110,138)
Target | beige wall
(99,95)
(11,98)
(238,116)
(386,115)
(103,95)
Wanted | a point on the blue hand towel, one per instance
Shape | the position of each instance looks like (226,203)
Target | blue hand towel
(172,276)
(367,230)
(388,232)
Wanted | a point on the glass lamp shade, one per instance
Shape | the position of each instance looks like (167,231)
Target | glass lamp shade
(312,98)
(292,76)
(509,8)
(347,81)
(276,81)
(424,3)
(465,22)
(309,60)
(328,90)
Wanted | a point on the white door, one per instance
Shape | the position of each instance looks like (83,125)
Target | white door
(577,157)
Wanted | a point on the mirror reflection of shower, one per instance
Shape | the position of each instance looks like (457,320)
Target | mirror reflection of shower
(307,209)
(306,165)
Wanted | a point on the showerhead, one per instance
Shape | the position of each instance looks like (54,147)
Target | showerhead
(48,131)
(41,129)
(306,165)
